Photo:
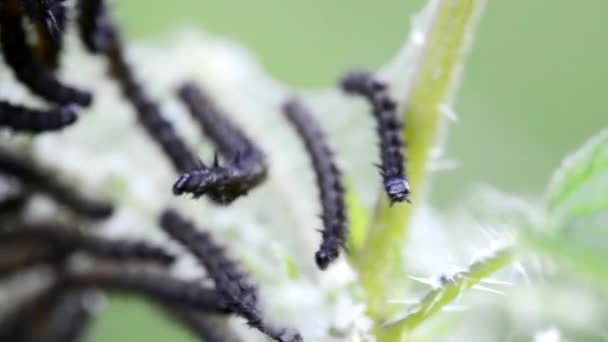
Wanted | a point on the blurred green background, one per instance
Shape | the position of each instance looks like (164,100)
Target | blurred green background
(532,89)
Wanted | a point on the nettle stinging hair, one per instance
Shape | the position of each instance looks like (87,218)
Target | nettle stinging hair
(389,128)
(233,285)
(329,182)
(245,164)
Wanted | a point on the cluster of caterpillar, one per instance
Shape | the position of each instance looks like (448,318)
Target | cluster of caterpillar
(62,310)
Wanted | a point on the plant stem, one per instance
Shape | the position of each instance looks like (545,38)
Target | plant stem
(445,39)
(449,290)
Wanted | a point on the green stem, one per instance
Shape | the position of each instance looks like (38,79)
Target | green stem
(448,291)
(446,39)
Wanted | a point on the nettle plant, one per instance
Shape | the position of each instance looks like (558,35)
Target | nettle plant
(387,268)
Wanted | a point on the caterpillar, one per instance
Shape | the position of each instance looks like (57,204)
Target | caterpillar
(63,240)
(69,316)
(94,26)
(12,203)
(19,57)
(42,179)
(233,286)
(19,256)
(153,285)
(49,41)
(389,128)
(101,36)
(15,324)
(245,166)
(46,12)
(23,119)
(329,182)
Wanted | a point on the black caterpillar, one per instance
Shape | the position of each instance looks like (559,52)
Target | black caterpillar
(157,286)
(63,239)
(233,286)
(19,56)
(245,166)
(56,313)
(389,131)
(68,318)
(41,179)
(23,119)
(329,183)
(49,31)
(101,36)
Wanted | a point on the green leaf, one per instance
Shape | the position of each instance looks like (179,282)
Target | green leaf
(576,231)
(358,220)
(580,258)
(452,288)
(579,188)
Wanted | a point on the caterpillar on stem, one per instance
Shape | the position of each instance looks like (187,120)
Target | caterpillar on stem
(329,182)
(389,129)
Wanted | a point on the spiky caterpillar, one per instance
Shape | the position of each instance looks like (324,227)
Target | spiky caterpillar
(245,166)
(45,12)
(329,182)
(23,119)
(65,240)
(234,287)
(63,316)
(20,256)
(155,286)
(15,324)
(71,316)
(19,57)
(101,36)
(39,178)
(389,128)
(49,40)
(94,25)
